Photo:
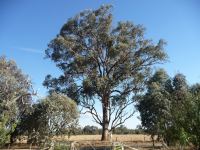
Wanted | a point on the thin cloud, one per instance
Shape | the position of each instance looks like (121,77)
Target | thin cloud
(30,50)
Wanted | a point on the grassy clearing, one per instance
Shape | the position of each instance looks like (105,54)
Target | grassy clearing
(138,141)
(121,138)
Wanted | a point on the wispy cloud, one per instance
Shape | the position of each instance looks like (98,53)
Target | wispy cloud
(30,50)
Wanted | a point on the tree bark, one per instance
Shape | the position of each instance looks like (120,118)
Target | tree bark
(105,132)
(105,124)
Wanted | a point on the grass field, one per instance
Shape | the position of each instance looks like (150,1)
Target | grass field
(121,138)
(138,141)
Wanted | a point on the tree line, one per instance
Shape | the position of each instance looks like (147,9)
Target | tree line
(94,130)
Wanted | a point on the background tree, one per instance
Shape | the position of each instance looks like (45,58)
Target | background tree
(193,116)
(180,103)
(14,97)
(54,115)
(62,114)
(121,130)
(102,63)
(154,105)
(164,108)
(90,130)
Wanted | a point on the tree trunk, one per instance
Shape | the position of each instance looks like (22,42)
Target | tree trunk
(105,133)
(105,124)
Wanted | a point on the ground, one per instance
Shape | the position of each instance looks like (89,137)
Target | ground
(121,138)
(89,142)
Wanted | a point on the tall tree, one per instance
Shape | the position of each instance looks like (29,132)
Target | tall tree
(14,97)
(102,63)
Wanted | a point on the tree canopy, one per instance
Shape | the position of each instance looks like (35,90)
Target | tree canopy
(154,105)
(170,109)
(54,115)
(14,97)
(102,62)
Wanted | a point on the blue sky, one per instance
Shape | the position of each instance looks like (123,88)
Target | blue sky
(27,26)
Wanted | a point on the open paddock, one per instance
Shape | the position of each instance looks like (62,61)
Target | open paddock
(115,137)
(91,142)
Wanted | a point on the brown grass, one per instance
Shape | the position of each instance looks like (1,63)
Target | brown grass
(138,141)
(132,140)
(121,138)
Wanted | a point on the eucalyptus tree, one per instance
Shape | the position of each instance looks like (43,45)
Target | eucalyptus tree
(14,97)
(102,62)
(62,114)
(193,116)
(164,108)
(53,115)
(180,104)
(154,105)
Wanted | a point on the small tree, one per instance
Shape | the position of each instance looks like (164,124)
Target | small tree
(54,115)
(62,114)
(102,63)
(121,130)
(90,130)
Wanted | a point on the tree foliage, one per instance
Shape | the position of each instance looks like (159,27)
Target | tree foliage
(193,116)
(170,109)
(154,105)
(14,97)
(54,115)
(102,62)
(90,130)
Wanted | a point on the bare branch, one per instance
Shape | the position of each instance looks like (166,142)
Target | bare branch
(120,114)
(91,110)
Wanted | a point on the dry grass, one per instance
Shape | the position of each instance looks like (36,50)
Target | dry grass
(138,141)
(121,138)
